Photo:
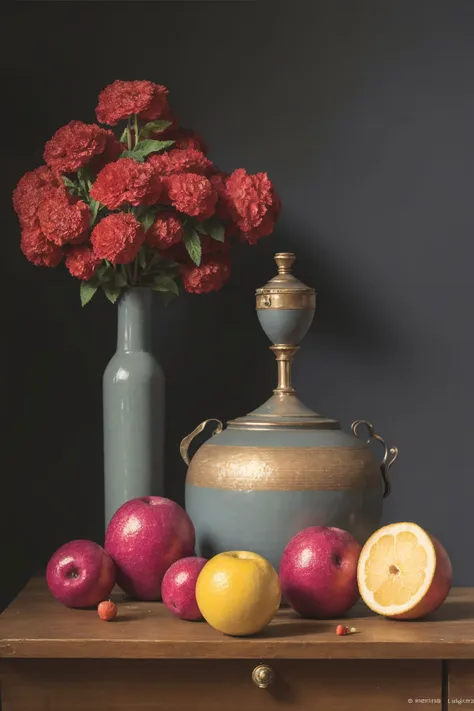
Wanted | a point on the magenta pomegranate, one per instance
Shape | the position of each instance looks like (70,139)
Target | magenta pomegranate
(144,537)
(80,574)
(318,572)
(178,589)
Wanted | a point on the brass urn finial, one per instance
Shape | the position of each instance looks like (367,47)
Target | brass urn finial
(285,261)
(285,308)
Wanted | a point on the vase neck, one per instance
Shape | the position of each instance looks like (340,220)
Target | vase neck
(134,320)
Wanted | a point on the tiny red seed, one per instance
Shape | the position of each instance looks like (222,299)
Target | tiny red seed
(342,630)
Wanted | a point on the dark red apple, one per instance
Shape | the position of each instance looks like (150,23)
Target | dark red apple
(144,537)
(80,574)
(318,572)
(178,589)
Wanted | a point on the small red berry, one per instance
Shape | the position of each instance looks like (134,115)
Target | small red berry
(344,629)
(107,610)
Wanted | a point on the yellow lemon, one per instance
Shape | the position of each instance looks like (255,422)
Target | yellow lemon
(238,592)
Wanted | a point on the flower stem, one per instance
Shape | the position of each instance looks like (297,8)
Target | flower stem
(135,271)
(129,135)
(136,128)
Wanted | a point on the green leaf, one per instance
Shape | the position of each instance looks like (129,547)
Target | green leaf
(72,187)
(154,127)
(119,280)
(148,146)
(84,180)
(135,156)
(102,269)
(87,291)
(193,244)
(165,283)
(94,208)
(69,183)
(155,258)
(105,274)
(199,227)
(215,229)
(125,134)
(112,292)
(142,259)
(168,262)
(145,147)
(147,219)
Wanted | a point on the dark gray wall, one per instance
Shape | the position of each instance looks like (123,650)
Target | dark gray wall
(362,112)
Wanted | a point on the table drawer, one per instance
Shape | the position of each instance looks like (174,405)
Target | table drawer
(215,685)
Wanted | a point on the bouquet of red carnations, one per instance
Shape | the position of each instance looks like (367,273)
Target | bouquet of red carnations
(147,208)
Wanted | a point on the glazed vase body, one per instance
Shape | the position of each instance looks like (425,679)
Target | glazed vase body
(133,401)
(282,468)
(256,489)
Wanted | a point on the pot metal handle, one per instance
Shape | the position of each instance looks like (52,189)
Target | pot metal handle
(390,454)
(186,441)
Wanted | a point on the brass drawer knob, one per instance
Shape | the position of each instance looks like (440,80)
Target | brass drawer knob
(263,676)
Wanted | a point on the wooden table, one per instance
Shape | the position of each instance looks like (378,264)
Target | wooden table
(56,659)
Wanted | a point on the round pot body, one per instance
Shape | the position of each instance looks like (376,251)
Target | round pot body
(283,467)
(255,488)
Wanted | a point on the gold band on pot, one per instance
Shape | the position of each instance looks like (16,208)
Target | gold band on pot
(284,468)
(285,299)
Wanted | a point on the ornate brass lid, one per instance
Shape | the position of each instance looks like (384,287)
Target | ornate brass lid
(285,291)
(285,308)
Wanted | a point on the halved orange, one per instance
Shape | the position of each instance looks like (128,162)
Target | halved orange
(403,572)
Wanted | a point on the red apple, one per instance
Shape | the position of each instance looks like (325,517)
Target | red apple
(318,572)
(80,574)
(144,537)
(178,589)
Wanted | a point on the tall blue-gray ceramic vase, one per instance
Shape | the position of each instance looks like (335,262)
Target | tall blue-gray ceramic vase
(266,476)
(134,402)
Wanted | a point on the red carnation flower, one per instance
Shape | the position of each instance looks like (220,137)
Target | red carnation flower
(192,194)
(64,219)
(183,138)
(38,250)
(166,231)
(73,145)
(223,208)
(126,180)
(118,238)
(265,227)
(124,98)
(113,148)
(82,262)
(253,204)
(30,192)
(161,163)
(211,275)
(181,161)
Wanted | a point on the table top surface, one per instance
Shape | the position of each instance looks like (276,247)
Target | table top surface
(36,626)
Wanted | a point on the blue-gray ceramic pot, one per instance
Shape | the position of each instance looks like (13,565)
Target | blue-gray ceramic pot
(283,467)
(255,488)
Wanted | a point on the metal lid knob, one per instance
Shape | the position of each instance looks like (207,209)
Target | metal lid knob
(285,261)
